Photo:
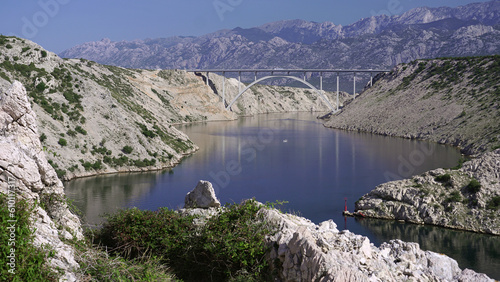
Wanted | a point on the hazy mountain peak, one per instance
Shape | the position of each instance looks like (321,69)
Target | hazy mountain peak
(378,41)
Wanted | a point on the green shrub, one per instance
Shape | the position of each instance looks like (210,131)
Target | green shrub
(72,97)
(87,165)
(71,133)
(127,149)
(474,186)
(101,150)
(44,53)
(60,172)
(121,161)
(144,163)
(8,46)
(145,131)
(40,87)
(30,261)
(43,137)
(229,243)
(97,165)
(443,178)
(493,203)
(80,130)
(62,142)
(454,197)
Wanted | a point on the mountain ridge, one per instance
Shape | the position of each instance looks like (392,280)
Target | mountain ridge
(374,42)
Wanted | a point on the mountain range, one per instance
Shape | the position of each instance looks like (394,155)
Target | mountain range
(375,42)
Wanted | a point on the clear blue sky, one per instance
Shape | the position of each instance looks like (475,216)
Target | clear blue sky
(60,24)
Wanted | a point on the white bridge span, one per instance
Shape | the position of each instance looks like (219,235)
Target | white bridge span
(286,74)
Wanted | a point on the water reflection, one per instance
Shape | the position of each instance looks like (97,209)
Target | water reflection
(95,196)
(475,251)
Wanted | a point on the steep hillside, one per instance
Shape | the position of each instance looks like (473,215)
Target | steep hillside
(450,101)
(96,119)
(376,42)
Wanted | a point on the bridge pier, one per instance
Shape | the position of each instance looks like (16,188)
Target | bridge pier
(354,92)
(224,89)
(239,82)
(338,91)
(321,82)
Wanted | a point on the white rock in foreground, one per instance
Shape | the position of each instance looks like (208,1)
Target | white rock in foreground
(203,196)
(303,251)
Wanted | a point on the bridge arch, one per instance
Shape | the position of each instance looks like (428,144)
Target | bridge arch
(320,94)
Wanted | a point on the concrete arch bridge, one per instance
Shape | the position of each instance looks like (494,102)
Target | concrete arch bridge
(285,73)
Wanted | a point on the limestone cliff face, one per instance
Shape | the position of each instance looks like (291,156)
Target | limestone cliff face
(23,162)
(441,197)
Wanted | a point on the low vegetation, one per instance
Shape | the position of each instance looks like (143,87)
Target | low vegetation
(231,245)
(444,179)
(474,186)
(494,203)
(141,245)
(30,262)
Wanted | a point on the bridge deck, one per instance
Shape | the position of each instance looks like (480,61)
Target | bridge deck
(289,70)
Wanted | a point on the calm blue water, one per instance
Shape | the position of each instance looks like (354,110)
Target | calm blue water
(293,158)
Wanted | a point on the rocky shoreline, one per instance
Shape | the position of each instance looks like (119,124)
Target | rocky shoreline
(432,100)
(303,251)
(464,199)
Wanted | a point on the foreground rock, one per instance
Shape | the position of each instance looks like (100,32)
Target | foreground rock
(303,251)
(23,162)
(466,199)
(203,196)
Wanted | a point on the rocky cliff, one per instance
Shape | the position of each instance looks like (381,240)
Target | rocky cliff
(304,251)
(96,119)
(26,173)
(466,199)
(380,41)
(450,101)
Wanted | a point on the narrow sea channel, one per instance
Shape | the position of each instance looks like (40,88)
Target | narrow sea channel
(292,157)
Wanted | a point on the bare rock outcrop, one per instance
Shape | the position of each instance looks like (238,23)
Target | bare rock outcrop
(303,251)
(466,199)
(203,196)
(24,167)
